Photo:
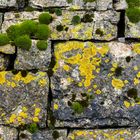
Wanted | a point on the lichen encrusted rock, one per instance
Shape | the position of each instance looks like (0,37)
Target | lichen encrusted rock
(8,3)
(34,58)
(4,62)
(23,98)
(96,84)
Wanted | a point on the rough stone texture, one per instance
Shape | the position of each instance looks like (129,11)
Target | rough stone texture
(109,134)
(23,98)
(8,3)
(100,78)
(120,4)
(44,135)
(4,62)
(34,58)
(104,5)
(7,133)
(7,49)
(132,30)
(102,27)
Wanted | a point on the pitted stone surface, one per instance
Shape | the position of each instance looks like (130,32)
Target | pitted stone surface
(8,3)
(23,98)
(108,134)
(7,49)
(4,62)
(44,135)
(33,59)
(96,84)
(100,26)
(7,133)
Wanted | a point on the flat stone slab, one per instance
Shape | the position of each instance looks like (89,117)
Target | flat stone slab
(106,134)
(94,25)
(7,49)
(44,135)
(23,98)
(96,84)
(34,58)
(7,133)
(8,3)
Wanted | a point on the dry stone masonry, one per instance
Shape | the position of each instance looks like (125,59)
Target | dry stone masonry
(69,69)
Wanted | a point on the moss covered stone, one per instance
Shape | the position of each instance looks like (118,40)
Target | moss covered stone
(23,42)
(77,107)
(58,11)
(45,18)
(76,20)
(42,45)
(4,39)
(43,32)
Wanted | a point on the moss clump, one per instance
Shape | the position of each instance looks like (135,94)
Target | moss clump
(99,32)
(132,93)
(76,20)
(69,1)
(77,107)
(133,14)
(13,32)
(43,32)
(4,39)
(55,134)
(45,18)
(23,42)
(59,28)
(58,11)
(42,45)
(87,18)
(89,0)
(29,9)
(118,71)
(32,128)
(28,27)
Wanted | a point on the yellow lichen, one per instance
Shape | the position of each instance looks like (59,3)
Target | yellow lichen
(55,106)
(127,104)
(136,48)
(117,83)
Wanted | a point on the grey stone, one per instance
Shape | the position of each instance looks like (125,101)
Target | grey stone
(8,3)
(104,5)
(23,98)
(106,134)
(44,135)
(92,84)
(34,58)
(4,62)
(7,49)
(120,5)
(7,133)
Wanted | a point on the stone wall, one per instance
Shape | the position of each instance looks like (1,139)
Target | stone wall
(85,85)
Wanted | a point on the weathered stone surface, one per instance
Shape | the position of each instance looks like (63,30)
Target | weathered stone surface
(108,134)
(7,133)
(104,4)
(96,84)
(132,30)
(23,98)
(74,4)
(34,58)
(44,135)
(102,25)
(8,3)
(4,61)
(120,4)
(7,49)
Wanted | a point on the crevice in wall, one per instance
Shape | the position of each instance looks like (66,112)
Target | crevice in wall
(121,25)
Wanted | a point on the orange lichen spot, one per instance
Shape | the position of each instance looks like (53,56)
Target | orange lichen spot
(127,104)
(103,50)
(136,48)
(23,114)
(35,119)
(117,83)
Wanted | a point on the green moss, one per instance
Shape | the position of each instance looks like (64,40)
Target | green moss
(132,93)
(42,45)
(69,1)
(99,32)
(59,28)
(32,128)
(29,9)
(55,134)
(43,32)
(4,39)
(45,18)
(76,20)
(133,14)
(87,18)
(77,107)
(118,71)
(58,11)
(14,31)
(28,27)
(23,42)
(17,15)
(133,3)
(89,0)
